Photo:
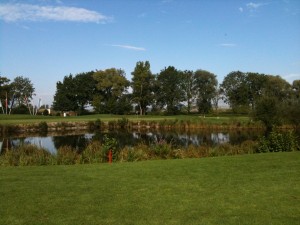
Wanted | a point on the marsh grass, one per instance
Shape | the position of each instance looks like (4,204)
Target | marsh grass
(27,155)
(97,152)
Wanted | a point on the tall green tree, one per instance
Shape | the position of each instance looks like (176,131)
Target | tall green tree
(111,84)
(170,92)
(65,95)
(255,83)
(291,108)
(188,80)
(277,87)
(235,91)
(276,103)
(22,89)
(267,110)
(85,89)
(142,86)
(205,86)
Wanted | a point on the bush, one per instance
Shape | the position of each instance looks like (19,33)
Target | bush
(43,127)
(278,142)
(45,112)
(109,144)
(22,109)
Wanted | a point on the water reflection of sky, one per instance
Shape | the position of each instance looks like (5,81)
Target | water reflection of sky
(42,142)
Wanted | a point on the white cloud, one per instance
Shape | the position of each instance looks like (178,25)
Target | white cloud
(229,45)
(27,12)
(130,47)
(241,9)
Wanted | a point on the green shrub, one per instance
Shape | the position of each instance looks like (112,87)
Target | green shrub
(43,127)
(278,142)
(109,143)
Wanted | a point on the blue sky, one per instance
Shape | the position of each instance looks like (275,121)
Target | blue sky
(46,40)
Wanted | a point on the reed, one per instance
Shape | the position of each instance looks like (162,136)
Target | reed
(27,155)
(97,152)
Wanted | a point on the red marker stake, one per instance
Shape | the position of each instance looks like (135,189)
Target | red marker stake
(110,156)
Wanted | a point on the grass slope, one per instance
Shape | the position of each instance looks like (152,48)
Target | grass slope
(249,189)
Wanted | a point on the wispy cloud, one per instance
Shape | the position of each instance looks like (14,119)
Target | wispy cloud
(130,47)
(254,6)
(228,45)
(241,9)
(26,12)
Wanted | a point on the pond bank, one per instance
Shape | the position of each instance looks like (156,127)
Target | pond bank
(44,127)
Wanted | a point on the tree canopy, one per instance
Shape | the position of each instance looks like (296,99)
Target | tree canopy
(142,86)
(205,88)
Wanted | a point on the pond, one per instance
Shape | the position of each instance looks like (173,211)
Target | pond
(131,138)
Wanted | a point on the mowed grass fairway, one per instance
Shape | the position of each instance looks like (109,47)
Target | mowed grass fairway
(29,119)
(247,189)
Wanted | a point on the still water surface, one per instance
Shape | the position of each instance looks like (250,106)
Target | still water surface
(132,138)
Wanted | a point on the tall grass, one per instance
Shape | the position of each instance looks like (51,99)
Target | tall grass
(27,155)
(97,152)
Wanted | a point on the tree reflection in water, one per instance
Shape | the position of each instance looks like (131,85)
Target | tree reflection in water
(132,138)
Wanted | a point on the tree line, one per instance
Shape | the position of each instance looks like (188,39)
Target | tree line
(109,91)
(269,98)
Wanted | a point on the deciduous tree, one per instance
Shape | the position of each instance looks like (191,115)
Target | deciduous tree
(22,89)
(111,84)
(188,80)
(205,86)
(142,86)
(235,91)
(170,92)
(65,96)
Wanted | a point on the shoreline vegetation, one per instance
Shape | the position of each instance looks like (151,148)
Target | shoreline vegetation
(97,152)
(18,124)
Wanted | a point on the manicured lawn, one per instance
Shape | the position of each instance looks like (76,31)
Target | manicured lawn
(248,189)
(25,119)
